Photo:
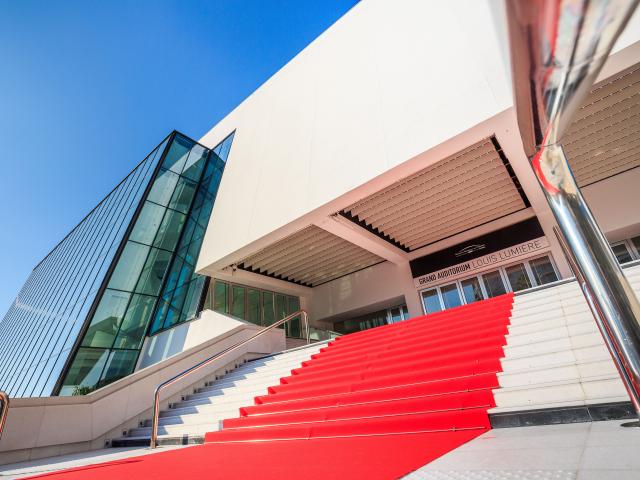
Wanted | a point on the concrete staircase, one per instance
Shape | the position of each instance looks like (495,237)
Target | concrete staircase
(555,356)
(202,411)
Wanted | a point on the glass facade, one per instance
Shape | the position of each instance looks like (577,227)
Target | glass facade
(81,318)
(372,320)
(42,325)
(261,307)
(153,278)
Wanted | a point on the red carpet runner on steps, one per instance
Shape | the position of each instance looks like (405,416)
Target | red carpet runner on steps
(376,404)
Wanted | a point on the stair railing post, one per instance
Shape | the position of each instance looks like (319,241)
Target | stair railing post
(4,398)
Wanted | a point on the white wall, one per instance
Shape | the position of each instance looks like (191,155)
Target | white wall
(373,285)
(389,89)
(615,204)
(388,81)
(208,326)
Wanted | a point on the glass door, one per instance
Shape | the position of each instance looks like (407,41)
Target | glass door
(471,290)
(450,295)
(493,284)
(431,301)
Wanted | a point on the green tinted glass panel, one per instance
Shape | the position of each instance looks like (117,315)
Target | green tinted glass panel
(125,276)
(191,304)
(183,195)
(163,187)
(237,301)
(106,321)
(148,223)
(134,325)
(195,162)
(294,327)
(177,154)
(268,311)
(281,306)
(253,306)
(221,301)
(153,272)
(169,231)
(85,371)
(120,364)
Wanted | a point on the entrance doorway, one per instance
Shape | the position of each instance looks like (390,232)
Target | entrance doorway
(510,278)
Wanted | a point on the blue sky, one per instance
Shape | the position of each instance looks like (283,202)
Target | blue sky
(87,88)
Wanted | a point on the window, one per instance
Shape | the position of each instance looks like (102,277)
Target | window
(268,310)
(261,307)
(221,300)
(253,306)
(621,252)
(237,301)
(493,284)
(518,277)
(471,290)
(450,296)
(431,301)
(543,271)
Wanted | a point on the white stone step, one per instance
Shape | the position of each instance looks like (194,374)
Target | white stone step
(241,375)
(560,343)
(560,372)
(177,430)
(245,396)
(212,410)
(597,389)
(204,410)
(561,354)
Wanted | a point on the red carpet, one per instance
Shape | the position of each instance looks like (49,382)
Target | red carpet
(375,404)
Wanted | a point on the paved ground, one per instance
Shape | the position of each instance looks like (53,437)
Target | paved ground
(581,451)
(47,465)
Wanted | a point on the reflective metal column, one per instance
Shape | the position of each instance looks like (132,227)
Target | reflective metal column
(558,47)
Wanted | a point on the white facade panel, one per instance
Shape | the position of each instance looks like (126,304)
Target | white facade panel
(387,82)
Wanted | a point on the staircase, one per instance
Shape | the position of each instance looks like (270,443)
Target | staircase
(187,421)
(429,378)
(376,404)
(555,356)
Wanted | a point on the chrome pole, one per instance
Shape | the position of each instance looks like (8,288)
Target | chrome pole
(558,48)
(4,399)
(600,321)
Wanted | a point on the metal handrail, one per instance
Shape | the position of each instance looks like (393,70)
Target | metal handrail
(4,398)
(156,403)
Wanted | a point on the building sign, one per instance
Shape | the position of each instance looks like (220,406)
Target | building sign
(501,256)
(496,247)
